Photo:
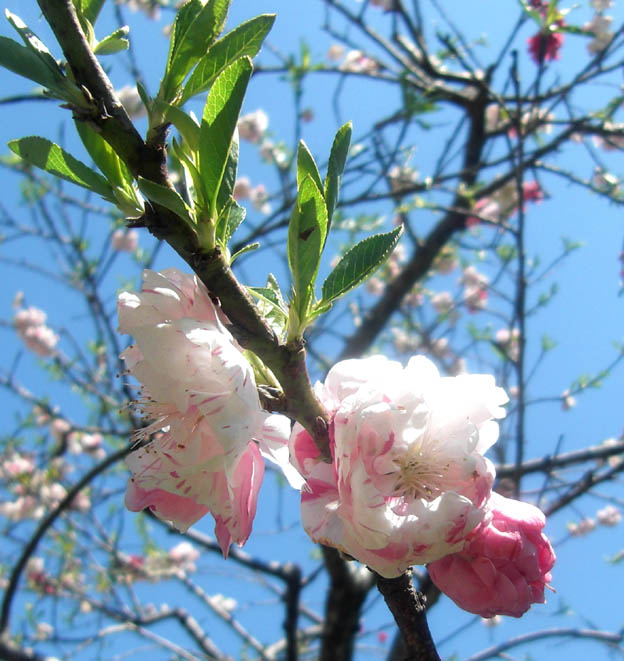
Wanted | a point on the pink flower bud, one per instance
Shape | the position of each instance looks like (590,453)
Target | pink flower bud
(505,564)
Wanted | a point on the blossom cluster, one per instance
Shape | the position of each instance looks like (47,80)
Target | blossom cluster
(409,484)
(408,481)
(32,329)
(202,448)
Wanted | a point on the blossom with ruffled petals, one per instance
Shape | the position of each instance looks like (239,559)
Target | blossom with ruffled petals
(505,564)
(201,393)
(408,481)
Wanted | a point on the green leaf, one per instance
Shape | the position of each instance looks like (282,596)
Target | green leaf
(245,40)
(271,304)
(336,166)
(114,43)
(218,125)
(306,236)
(193,180)
(306,166)
(226,190)
(195,28)
(166,197)
(55,160)
(89,9)
(34,44)
(359,263)
(104,156)
(248,248)
(25,63)
(186,125)
(231,216)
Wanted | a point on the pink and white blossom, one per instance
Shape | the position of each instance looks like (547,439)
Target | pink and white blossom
(609,516)
(505,563)
(125,240)
(208,429)
(252,127)
(409,479)
(30,326)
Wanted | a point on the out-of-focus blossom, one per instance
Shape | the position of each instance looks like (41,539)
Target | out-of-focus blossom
(402,177)
(446,261)
(475,289)
(150,7)
(495,118)
(356,62)
(43,631)
(273,153)
(601,5)
(408,481)
(545,46)
(59,428)
(252,127)
(567,400)
(487,209)
(383,4)
(509,341)
(30,326)
(504,565)
(404,342)
(131,101)
(25,507)
(28,317)
(224,603)
(609,516)
(84,443)
(15,465)
(583,527)
(125,240)
(613,138)
(307,115)
(242,188)
(200,392)
(335,53)
(260,199)
(442,302)
(183,556)
(605,182)
(600,27)
(375,286)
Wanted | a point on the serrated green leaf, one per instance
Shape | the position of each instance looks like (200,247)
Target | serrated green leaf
(34,44)
(359,263)
(186,125)
(306,166)
(336,166)
(195,28)
(244,40)
(53,159)
(218,125)
(25,63)
(306,237)
(166,197)
(103,155)
(114,43)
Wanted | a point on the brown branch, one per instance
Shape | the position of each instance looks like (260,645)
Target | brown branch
(345,597)
(409,610)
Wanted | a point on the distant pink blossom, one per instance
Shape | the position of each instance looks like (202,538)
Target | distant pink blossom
(408,481)
(200,392)
(252,127)
(125,240)
(545,46)
(505,563)
(30,326)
